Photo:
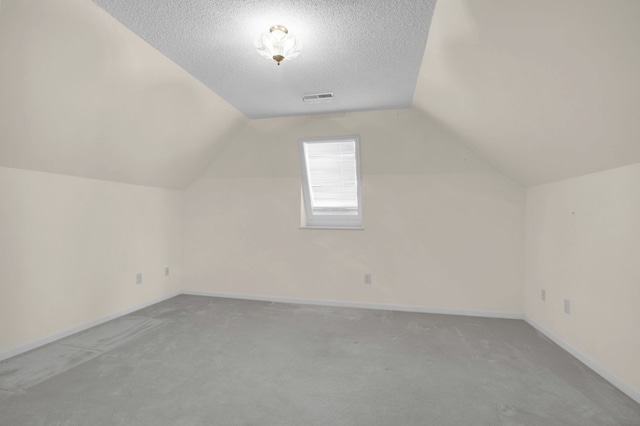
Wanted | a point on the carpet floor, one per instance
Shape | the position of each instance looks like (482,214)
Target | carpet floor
(194,360)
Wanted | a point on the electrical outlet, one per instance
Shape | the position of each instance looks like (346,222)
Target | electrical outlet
(567,306)
(166,271)
(367,278)
(543,295)
(139,278)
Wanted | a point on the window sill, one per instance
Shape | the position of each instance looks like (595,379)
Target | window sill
(352,228)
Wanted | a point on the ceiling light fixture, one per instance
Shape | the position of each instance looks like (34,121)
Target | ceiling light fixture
(278,44)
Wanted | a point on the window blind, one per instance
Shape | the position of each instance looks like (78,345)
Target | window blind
(332,177)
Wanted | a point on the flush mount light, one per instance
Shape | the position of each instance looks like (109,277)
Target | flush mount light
(278,44)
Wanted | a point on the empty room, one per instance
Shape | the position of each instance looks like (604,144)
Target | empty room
(325,212)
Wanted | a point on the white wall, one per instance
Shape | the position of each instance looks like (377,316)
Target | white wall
(583,244)
(442,227)
(70,249)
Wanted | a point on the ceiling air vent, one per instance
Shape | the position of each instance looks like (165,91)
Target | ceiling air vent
(316,97)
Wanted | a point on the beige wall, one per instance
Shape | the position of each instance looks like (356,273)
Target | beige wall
(442,227)
(583,244)
(70,249)
(82,95)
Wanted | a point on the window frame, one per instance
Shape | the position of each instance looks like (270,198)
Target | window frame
(328,221)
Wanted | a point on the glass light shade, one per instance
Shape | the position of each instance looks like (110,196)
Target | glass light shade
(278,44)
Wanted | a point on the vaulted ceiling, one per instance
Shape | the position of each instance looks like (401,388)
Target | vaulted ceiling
(542,90)
(545,90)
(366,52)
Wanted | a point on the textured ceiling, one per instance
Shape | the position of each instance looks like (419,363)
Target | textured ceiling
(367,52)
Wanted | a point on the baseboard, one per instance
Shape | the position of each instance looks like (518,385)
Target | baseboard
(363,305)
(599,369)
(629,390)
(69,331)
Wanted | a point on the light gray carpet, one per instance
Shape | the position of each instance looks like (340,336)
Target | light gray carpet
(206,361)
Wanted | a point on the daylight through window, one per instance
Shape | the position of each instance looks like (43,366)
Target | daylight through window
(331,182)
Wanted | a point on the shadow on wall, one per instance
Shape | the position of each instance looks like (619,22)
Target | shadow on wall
(393,142)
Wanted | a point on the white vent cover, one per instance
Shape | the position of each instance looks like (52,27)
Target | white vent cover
(316,97)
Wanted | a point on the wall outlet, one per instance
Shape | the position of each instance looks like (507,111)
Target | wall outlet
(166,271)
(543,295)
(139,278)
(567,306)
(367,278)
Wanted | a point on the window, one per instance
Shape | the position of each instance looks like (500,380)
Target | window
(331,188)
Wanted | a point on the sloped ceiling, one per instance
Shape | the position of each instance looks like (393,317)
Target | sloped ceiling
(542,90)
(81,95)
(545,90)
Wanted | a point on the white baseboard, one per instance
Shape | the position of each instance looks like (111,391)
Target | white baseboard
(363,305)
(17,350)
(626,388)
(606,374)
(599,369)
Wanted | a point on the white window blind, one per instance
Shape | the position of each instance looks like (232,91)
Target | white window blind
(331,182)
